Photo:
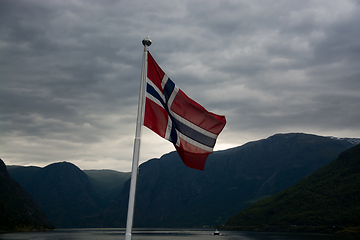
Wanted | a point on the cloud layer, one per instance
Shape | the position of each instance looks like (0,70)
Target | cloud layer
(70,72)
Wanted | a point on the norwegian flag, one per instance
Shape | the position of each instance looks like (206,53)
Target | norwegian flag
(176,117)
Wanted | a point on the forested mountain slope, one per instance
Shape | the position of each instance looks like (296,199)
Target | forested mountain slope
(172,195)
(328,200)
(169,194)
(18,210)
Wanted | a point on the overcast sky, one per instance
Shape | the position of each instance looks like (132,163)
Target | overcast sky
(70,73)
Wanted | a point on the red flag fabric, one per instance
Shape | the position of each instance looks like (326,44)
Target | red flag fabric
(171,114)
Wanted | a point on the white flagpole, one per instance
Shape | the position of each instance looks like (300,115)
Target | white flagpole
(139,122)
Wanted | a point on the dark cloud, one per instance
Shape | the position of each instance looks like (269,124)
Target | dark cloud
(70,72)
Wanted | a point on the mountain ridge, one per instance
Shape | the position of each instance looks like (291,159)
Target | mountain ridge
(256,169)
(169,194)
(18,210)
(62,190)
(326,201)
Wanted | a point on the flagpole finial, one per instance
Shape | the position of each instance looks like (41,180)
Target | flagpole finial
(146,42)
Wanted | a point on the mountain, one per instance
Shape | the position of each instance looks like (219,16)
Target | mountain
(107,183)
(172,195)
(18,210)
(169,194)
(326,201)
(63,192)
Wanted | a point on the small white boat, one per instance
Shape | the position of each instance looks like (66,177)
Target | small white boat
(216,232)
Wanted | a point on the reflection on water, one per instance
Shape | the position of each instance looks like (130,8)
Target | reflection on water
(170,234)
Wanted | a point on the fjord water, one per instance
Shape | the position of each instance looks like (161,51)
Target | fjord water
(165,234)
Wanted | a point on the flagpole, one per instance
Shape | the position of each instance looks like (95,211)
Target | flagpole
(139,122)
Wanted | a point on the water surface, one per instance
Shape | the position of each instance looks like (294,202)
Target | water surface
(162,234)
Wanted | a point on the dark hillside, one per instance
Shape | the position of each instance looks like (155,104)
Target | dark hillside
(62,191)
(18,210)
(328,200)
(169,194)
(172,195)
(107,183)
